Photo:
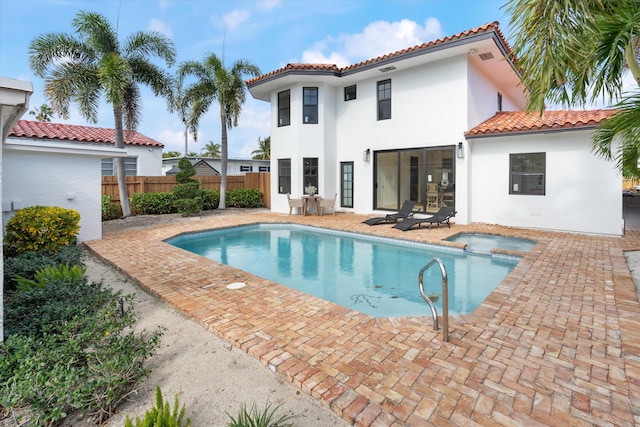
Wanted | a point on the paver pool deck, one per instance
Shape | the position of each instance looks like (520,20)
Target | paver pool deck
(557,343)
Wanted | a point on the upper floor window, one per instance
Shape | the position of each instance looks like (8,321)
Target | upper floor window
(350,93)
(264,168)
(527,173)
(130,166)
(309,105)
(384,99)
(284,108)
(246,168)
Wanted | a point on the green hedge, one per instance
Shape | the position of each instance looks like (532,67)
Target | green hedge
(153,203)
(244,198)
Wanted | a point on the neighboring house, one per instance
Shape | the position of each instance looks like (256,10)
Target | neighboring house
(57,165)
(444,115)
(211,166)
(144,155)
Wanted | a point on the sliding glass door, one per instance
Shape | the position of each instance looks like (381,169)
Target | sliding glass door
(413,173)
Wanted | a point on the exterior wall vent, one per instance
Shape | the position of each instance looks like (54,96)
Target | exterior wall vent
(386,69)
(486,55)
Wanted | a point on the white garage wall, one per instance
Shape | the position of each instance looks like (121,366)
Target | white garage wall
(49,179)
(583,192)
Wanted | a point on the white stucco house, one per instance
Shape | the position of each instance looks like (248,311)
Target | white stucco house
(440,123)
(62,165)
(211,166)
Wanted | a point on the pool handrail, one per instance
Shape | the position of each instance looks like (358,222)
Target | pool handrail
(445,297)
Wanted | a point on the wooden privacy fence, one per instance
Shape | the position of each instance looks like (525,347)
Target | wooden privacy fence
(158,184)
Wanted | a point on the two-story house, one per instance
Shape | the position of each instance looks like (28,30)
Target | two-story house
(440,123)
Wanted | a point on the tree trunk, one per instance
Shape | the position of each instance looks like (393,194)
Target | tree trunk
(119,162)
(186,139)
(223,161)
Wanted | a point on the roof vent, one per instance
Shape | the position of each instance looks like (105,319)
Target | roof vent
(386,69)
(486,55)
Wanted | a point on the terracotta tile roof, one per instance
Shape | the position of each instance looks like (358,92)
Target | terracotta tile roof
(493,26)
(65,132)
(520,121)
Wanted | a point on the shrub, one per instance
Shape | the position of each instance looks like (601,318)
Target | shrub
(41,227)
(109,210)
(152,203)
(186,171)
(70,346)
(256,418)
(27,263)
(49,274)
(186,191)
(188,207)
(244,198)
(160,415)
(210,199)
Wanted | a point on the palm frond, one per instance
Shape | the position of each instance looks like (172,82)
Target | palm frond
(115,76)
(623,128)
(131,107)
(74,83)
(49,50)
(97,31)
(150,43)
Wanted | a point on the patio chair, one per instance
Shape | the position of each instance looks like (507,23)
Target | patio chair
(329,203)
(405,212)
(441,217)
(295,203)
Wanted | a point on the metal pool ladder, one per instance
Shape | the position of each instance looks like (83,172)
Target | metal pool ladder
(445,298)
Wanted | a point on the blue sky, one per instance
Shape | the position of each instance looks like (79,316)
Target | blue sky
(270,33)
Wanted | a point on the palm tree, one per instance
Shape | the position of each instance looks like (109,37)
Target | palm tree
(80,69)
(576,51)
(180,104)
(43,114)
(264,149)
(227,86)
(211,150)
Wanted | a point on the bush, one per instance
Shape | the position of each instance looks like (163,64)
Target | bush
(69,347)
(188,207)
(244,198)
(160,415)
(28,263)
(41,227)
(109,210)
(186,171)
(152,203)
(210,199)
(186,191)
(51,273)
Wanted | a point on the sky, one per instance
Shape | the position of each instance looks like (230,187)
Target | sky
(269,33)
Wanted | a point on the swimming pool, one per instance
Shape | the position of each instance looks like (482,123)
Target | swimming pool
(483,243)
(374,275)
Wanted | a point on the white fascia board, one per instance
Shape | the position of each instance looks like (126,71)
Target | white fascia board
(62,148)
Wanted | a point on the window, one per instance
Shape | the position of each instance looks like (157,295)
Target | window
(310,172)
(246,168)
(527,173)
(264,168)
(350,93)
(130,166)
(309,105)
(284,176)
(284,108)
(384,99)
(346,184)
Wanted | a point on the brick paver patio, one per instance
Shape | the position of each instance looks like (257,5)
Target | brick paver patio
(557,343)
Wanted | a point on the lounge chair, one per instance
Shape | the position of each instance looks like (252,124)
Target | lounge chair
(329,203)
(441,217)
(406,211)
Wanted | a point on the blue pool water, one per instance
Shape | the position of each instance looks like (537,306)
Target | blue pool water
(373,275)
(483,243)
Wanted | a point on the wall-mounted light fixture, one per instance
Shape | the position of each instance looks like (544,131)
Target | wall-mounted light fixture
(460,151)
(366,155)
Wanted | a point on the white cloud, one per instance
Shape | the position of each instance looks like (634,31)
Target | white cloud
(377,38)
(173,140)
(164,4)
(161,27)
(235,18)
